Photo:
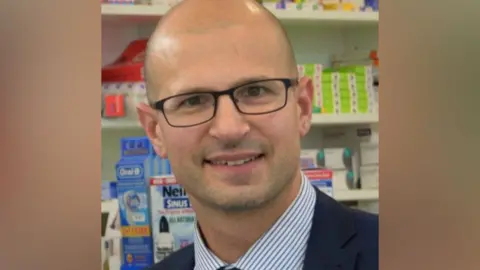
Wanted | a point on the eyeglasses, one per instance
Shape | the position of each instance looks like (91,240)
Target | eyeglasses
(253,98)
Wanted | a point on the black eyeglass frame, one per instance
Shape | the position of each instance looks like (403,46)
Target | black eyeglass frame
(288,83)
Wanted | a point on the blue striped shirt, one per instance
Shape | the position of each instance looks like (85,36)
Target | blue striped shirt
(282,247)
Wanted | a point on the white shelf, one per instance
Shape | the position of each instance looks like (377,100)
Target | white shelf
(145,13)
(326,16)
(357,195)
(317,120)
(112,10)
(119,124)
(344,119)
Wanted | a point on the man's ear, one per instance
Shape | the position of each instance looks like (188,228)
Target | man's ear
(148,118)
(304,102)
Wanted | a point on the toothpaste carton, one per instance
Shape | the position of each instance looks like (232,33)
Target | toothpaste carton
(173,219)
(132,172)
(330,91)
(314,71)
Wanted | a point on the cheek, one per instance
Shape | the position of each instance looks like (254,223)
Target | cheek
(279,129)
(180,144)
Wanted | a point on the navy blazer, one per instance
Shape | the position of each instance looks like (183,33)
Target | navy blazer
(341,238)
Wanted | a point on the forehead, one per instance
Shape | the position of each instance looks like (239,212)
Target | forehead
(219,58)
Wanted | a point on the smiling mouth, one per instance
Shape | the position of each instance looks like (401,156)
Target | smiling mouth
(238,162)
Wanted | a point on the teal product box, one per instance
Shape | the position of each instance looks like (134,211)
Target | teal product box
(133,171)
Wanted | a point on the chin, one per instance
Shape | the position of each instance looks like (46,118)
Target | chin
(241,204)
(241,198)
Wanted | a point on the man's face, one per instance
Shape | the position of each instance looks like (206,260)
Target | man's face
(216,61)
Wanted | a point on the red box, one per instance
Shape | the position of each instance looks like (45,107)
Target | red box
(129,65)
(114,106)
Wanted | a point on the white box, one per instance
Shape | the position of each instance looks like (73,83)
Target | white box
(368,153)
(343,180)
(335,158)
(369,176)
(173,219)
(111,235)
(368,135)
(134,94)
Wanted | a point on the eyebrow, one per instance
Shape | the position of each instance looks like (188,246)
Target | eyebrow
(236,83)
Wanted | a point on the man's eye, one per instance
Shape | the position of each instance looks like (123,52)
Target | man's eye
(192,101)
(254,91)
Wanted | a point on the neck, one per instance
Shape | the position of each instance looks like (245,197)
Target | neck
(230,235)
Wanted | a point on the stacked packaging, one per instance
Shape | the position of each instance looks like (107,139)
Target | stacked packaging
(344,90)
(341,90)
(314,71)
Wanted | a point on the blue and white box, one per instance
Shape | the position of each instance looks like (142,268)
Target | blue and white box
(132,171)
(173,218)
(109,190)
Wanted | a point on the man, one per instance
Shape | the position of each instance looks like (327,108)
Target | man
(228,109)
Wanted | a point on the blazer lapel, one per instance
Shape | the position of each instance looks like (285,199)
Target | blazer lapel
(332,227)
(184,259)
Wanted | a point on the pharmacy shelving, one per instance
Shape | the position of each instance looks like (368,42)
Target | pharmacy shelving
(315,37)
(317,120)
(108,124)
(133,11)
(145,13)
(344,119)
(357,195)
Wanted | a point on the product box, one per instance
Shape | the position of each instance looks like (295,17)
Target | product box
(348,89)
(330,99)
(369,175)
(165,3)
(308,158)
(128,67)
(369,153)
(370,5)
(109,190)
(343,179)
(368,135)
(274,4)
(173,219)
(111,235)
(132,172)
(309,5)
(330,91)
(335,158)
(321,179)
(314,71)
(120,100)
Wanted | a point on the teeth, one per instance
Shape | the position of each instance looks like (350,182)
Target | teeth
(233,163)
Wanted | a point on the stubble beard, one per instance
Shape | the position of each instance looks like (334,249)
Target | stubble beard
(247,198)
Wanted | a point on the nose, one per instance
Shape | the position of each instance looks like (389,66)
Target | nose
(229,124)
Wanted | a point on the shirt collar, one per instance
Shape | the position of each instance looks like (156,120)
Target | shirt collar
(288,235)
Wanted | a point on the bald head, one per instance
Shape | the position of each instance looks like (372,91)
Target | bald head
(215,36)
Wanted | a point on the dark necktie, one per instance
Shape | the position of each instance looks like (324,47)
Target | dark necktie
(225,268)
